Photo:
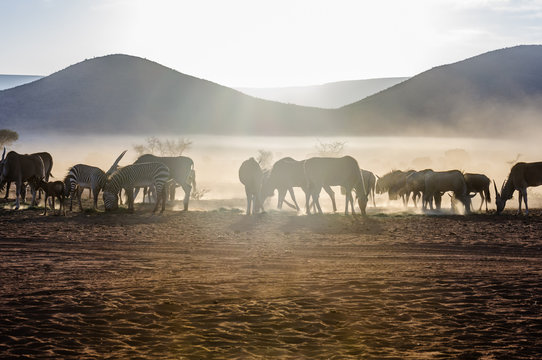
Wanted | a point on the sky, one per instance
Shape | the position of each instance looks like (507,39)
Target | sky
(250,43)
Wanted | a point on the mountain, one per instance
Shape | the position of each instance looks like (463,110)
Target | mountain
(495,93)
(123,94)
(9,81)
(329,96)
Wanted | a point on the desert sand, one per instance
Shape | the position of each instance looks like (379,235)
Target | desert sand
(222,285)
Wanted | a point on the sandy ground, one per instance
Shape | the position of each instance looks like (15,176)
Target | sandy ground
(218,284)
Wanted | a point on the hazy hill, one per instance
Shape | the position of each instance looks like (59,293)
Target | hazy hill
(123,94)
(497,92)
(330,95)
(9,81)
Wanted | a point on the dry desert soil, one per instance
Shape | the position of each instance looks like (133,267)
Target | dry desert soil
(217,284)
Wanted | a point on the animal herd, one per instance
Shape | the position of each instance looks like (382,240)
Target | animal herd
(162,175)
(317,173)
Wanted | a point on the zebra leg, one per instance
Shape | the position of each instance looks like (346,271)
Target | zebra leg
(79,193)
(130,198)
(95,192)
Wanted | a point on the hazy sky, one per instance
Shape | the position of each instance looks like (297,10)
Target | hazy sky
(264,43)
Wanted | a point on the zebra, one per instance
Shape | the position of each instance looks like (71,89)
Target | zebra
(181,169)
(83,176)
(136,175)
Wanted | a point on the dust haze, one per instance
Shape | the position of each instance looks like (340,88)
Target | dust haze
(217,159)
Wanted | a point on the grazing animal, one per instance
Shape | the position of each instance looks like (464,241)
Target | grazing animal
(181,169)
(327,171)
(48,166)
(251,175)
(83,176)
(19,168)
(137,175)
(415,185)
(394,183)
(439,182)
(522,175)
(54,189)
(479,184)
(286,174)
(369,180)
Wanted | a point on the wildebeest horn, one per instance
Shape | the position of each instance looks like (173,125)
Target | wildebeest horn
(114,166)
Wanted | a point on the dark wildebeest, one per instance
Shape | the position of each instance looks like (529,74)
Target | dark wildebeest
(344,171)
(53,189)
(479,184)
(181,170)
(439,182)
(394,183)
(286,174)
(20,168)
(251,176)
(522,175)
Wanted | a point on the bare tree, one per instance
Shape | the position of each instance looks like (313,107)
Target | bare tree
(331,149)
(167,147)
(7,137)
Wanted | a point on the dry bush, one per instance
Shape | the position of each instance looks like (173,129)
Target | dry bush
(167,147)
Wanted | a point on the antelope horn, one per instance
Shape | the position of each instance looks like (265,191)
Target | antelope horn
(3,154)
(496,191)
(114,166)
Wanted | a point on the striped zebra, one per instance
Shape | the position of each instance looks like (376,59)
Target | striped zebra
(136,175)
(83,176)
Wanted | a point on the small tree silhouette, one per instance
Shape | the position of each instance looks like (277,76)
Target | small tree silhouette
(8,137)
(331,149)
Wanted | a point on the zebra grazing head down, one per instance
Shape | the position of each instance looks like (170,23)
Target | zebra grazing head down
(136,175)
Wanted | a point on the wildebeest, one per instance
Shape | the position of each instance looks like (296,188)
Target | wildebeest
(394,183)
(286,174)
(181,169)
(251,176)
(53,189)
(479,184)
(344,171)
(522,175)
(439,182)
(19,168)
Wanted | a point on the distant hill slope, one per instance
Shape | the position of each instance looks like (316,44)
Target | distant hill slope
(330,96)
(497,92)
(123,94)
(9,81)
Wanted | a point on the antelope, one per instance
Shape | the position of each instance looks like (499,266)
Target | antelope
(394,183)
(54,189)
(439,182)
(522,175)
(251,176)
(327,171)
(48,166)
(20,168)
(286,174)
(415,184)
(479,184)
(369,181)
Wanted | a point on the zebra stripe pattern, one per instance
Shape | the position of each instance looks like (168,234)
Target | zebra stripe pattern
(84,176)
(136,175)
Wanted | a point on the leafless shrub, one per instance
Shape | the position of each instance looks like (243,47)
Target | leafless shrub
(331,149)
(7,137)
(167,147)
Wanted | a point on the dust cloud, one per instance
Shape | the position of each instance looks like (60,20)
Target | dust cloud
(217,159)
